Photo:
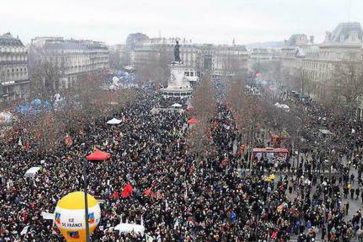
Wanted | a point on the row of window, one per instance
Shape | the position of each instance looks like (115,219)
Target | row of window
(13,58)
(84,61)
(317,76)
(12,49)
(15,76)
(189,73)
(12,70)
(74,70)
(86,66)
(317,65)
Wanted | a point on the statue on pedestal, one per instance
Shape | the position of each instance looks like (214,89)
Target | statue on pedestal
(177,52)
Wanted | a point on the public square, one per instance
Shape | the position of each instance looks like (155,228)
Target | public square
(241,122)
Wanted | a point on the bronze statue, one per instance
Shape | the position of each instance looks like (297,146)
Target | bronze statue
(177,52)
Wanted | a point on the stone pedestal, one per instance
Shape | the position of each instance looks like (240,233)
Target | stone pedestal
(178,84)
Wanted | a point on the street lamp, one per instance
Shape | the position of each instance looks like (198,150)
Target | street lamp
(331,156)
(85,185)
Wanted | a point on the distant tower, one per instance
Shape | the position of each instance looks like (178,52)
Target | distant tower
(233,42)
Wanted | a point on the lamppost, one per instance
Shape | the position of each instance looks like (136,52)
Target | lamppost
(85,185)
(331,157)
(251,139)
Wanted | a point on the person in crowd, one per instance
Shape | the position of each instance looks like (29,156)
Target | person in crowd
(191,196)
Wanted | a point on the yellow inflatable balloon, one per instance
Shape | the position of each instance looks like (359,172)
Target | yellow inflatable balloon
(69,216)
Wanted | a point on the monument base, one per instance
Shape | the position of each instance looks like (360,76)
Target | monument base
(176,93)
(178,85)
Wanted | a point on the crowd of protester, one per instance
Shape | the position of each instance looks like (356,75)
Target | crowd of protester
(191,198)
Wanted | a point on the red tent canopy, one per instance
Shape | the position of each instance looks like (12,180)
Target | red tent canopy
(98,155)
(193,121)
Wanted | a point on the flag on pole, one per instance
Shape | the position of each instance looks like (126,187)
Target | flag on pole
(20,142)
(25,230)
(27,145)
(148,192)
(54,228)
(127,190)
(68,140)
(166,204)
(149,238)
(115,195)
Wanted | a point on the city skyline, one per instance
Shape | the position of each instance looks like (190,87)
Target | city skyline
(203,21)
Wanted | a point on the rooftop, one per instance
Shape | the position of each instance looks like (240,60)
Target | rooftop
(345,33)
(60,43)
(297,39)
(8,40)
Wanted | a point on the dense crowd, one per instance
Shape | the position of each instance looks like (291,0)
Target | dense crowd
(213,198)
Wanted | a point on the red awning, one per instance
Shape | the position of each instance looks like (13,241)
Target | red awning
(98,155)
(193,121)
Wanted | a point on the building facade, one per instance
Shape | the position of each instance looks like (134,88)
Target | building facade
(120,53)
(161,49)
(73,58)
(14,81)
(224,60)
(317,62)
(259,56)
(219,60)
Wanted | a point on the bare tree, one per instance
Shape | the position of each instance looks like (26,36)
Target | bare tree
(236,97)
(247,109)
(232,65)
(45,74)
(87,101)
(298,79)
(115,59)
(155,68)
(286,77)
(271,69)
(347,84)
(343,90)
(204,103)
(199,141)
(275,70)
(47,132)
(45,81)
(260,66)
(204,99)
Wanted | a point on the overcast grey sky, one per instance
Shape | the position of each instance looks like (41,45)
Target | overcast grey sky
(211,21)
